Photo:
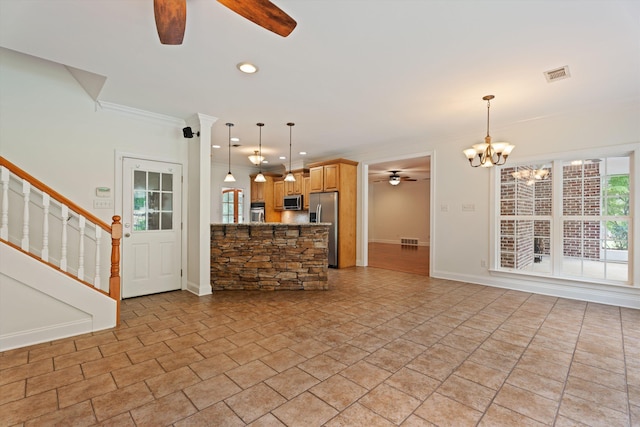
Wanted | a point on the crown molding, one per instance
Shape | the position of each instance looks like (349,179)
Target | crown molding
(135,112)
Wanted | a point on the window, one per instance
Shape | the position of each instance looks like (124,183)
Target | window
(567,219)
(232,203)
(152,201)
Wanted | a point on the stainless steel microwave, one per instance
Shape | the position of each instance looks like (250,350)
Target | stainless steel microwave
(292,203)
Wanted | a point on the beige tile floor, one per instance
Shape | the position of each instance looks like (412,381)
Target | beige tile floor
(380,348)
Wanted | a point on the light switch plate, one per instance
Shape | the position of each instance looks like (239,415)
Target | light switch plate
(103,204)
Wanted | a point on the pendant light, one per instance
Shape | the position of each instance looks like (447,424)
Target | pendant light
(488,154)
(290,177)
(229,177)
(260,177)
(256,158)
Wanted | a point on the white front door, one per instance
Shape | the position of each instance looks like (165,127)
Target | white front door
(151,219)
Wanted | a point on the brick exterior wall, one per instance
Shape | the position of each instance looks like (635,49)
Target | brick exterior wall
(581,196)
(522,240)
(269,256)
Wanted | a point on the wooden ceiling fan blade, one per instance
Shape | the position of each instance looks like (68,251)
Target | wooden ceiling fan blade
(263,13)
(171,19)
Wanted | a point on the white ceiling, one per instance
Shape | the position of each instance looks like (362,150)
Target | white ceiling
(354,73)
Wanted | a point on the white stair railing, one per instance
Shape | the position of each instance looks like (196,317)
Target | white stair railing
(41,222)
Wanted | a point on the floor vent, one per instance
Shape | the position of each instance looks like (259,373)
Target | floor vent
(408,241)
(557,74)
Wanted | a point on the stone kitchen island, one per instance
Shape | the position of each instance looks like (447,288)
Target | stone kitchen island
(269,256)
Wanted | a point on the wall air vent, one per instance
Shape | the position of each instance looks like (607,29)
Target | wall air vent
(557,74)
(408,241)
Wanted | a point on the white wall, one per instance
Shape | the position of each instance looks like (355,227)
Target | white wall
(399,211)
(51,128)
(243,182)
(38,303)
(460,240)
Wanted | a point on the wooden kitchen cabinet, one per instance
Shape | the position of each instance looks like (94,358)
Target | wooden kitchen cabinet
(298,185)
(257,190)
(316,179)
(278,195)
(327,176)
(294,188)
(306,185)
(264,192)
(332,177)
(340,175)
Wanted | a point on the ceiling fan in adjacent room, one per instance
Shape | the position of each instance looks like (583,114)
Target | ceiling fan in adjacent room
(171,17)
(395,179)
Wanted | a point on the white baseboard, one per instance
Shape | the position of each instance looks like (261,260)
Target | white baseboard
(603,294)
(396,242)
(44,334)
(72,308)
(196,289)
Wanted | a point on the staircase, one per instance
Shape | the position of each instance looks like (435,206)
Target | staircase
(59,264)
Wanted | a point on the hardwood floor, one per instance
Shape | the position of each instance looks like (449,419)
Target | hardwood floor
(408,259)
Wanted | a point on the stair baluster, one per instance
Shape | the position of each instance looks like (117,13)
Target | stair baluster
(4,229)
(81,225)
(96,279)
(63,248)
(26,191)
(45,227)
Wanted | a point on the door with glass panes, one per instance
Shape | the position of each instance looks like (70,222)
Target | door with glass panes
(151,241)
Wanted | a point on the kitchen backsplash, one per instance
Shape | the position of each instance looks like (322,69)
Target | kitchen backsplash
(295,217)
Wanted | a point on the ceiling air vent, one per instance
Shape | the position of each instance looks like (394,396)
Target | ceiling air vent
(557,74)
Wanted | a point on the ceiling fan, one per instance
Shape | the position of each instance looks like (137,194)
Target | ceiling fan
(171,17)
(395,179)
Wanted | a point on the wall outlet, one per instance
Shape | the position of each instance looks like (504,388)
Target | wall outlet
(483,263)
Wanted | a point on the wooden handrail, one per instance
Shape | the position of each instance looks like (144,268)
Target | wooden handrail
(54,194)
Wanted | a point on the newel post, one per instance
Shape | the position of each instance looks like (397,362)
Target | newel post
(114,279)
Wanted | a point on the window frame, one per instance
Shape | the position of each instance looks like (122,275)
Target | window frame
(555,275)
(237,204)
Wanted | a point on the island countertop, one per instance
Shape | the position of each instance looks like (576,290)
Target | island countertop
(269,256)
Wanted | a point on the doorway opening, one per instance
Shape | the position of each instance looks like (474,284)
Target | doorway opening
(398,215)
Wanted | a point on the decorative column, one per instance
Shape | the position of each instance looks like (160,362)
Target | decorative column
(199,220)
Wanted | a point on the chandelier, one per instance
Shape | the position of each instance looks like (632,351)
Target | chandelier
(488,154)
(256,158)
(531,176)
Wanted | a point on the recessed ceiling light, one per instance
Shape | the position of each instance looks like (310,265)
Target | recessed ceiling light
(303,153)
(265,161)
(282,158)
(235,139)
(247,67)
(215,146)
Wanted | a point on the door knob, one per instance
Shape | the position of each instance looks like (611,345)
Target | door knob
(127,234)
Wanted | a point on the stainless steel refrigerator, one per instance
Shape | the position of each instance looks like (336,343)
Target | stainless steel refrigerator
(323,207)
